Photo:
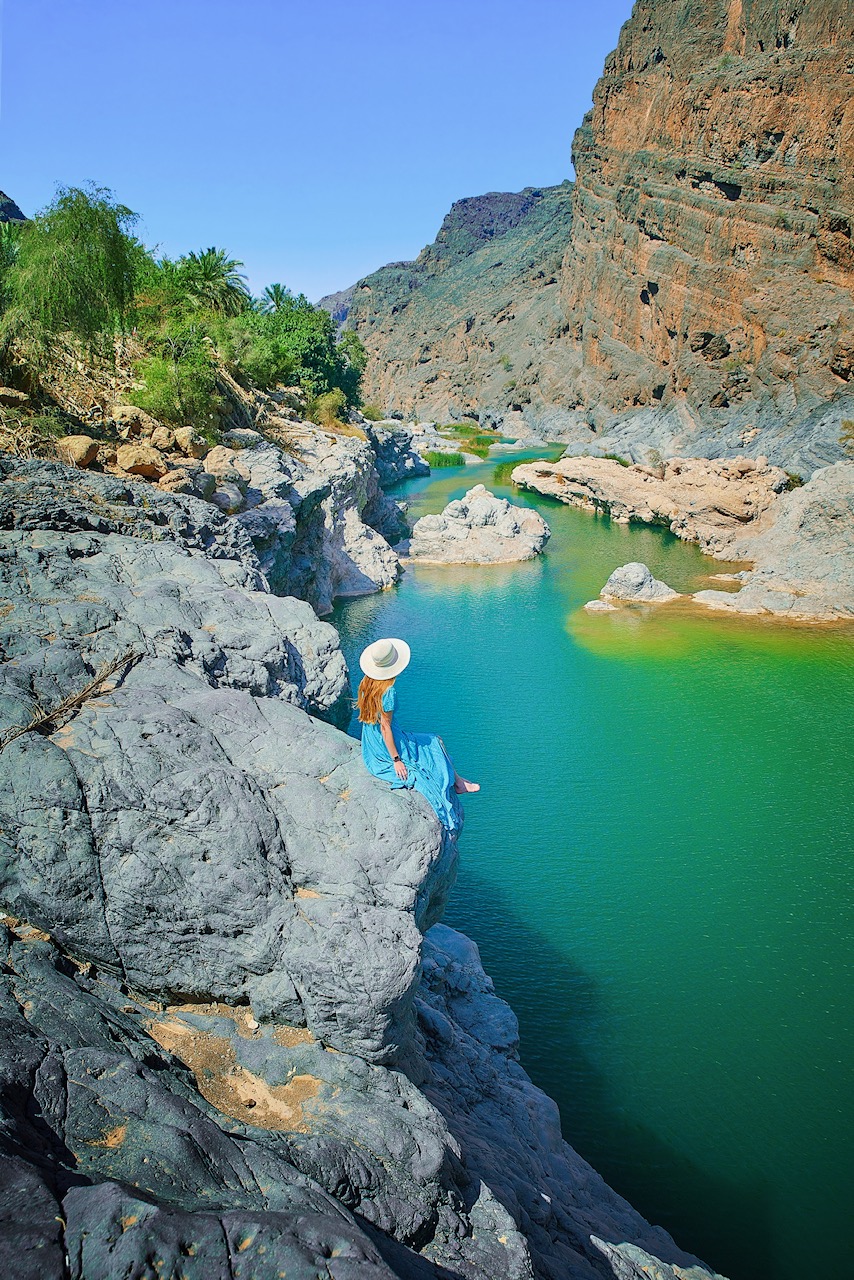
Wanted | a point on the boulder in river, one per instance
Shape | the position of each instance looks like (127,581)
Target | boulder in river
(477,529)
(634,581)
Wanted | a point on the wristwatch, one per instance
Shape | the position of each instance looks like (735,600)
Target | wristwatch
(396,759)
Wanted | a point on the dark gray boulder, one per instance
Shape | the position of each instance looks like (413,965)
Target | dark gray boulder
(235,1040)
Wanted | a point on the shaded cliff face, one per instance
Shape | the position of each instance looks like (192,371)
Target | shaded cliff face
(9,211)
(703,302)
(711,257)
(469,327)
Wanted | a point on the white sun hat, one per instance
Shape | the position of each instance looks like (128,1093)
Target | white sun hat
(385,659)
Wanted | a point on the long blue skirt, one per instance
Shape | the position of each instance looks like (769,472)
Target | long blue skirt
(429,769)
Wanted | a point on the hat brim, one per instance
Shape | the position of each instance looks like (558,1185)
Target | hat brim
(376,672)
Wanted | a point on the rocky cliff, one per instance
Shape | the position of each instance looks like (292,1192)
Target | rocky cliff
(236,1040)
(708,277)
(9,211)
(702,302)
(470,327)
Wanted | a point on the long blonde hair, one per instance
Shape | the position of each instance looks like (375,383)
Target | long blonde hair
(370,698)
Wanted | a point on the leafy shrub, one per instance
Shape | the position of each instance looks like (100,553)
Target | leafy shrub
(327,410)
(250,351)
(506,363)
(180,379)
(615,457)
(846,435)
(795,480)
(372,412)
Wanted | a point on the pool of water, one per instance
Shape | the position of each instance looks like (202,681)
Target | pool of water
(657,871)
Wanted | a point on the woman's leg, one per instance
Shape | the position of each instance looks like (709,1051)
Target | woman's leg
(461,785)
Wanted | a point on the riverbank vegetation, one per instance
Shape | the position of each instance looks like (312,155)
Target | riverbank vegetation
(434,458)
(469,437)
(77,283)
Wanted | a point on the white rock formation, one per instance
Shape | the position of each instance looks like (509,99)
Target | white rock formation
(477,529)
(634,581)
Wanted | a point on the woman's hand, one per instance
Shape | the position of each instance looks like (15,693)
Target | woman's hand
(401,770)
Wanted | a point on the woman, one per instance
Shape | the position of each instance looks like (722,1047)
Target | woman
(400,758)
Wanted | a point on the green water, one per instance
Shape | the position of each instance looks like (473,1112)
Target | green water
(657,871)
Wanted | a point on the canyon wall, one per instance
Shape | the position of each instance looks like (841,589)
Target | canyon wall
(710,266)
(703,301)
(470,327)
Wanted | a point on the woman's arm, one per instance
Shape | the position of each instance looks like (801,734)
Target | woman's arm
(388,738)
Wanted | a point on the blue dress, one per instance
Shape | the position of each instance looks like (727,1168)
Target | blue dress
(429,769)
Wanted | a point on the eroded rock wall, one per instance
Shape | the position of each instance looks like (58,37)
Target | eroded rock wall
(710,266)
(692,292)
(470,327)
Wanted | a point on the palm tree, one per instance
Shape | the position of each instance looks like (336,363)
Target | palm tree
(275,298)
(211,279)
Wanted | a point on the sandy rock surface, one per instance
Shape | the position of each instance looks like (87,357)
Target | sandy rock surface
(800,541)
(700,500)
(77,451)
(477,529)
(141,460)
(804,562)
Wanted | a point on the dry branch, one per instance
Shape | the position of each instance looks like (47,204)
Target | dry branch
(45,721)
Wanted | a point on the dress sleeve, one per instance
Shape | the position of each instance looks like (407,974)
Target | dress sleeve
(389,699)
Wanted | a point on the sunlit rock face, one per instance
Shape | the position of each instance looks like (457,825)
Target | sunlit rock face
(691,292)
(710,264)
(470,327)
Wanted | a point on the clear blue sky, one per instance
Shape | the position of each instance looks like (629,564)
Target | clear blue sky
(316,141)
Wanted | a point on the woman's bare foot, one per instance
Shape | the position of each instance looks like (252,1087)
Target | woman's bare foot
(462,785)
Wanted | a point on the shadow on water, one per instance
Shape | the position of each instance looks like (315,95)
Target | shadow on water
(658,1180)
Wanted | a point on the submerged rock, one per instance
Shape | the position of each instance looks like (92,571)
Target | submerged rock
(477,529)
(635,582)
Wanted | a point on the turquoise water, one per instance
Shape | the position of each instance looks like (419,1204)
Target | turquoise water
(657,871)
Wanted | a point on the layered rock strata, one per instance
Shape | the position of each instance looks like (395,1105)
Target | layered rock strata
(478,528)
(691,293)
(709,273)
(234,1036)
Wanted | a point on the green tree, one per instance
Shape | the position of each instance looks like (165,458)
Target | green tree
(73,270)
(211,281)
(180,376)
(275,298)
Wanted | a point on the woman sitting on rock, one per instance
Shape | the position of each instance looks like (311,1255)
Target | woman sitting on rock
(400,758)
